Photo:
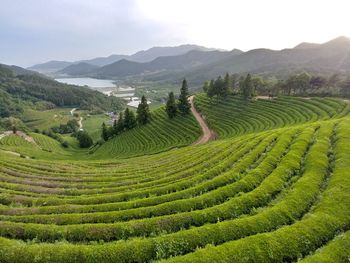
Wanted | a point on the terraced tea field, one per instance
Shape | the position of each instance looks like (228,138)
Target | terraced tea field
(159,135)
(275,187)
(236,116)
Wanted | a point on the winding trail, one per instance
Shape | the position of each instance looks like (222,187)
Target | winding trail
(208,134)
(80,120)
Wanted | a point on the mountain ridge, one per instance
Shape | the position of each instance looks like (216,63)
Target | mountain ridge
(140,56)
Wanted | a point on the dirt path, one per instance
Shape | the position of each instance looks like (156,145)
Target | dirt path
(80,120)
(72,111)
(208,135)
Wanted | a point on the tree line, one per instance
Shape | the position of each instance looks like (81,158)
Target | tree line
(231,84)
(302,84)
(305,84)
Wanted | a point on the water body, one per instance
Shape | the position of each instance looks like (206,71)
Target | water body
(90,82)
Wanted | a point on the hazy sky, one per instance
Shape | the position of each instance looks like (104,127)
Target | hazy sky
(33,31)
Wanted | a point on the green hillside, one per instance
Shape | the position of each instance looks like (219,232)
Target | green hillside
(235,116)
(159,135)
(274,187)
(20,92)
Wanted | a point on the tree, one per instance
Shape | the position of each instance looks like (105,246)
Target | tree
(129,119)
(171,108)
(84,139)
(105,133)
(120,123)
(258,85)
(278,87)
(227,86)
(303,82)
(143,113)
(73,125)
(211,89)
(184,106)
(234,83)
(247,87)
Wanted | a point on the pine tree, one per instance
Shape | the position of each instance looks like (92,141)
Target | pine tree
(218,86)
(129,119)
(170,107)
(120,123)
(184,106)
(241,84)
(143,113)
(248,88)
(211,90)
(105,133)
(227,85)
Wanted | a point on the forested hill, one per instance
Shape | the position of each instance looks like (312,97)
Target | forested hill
(19,90)
(324,59)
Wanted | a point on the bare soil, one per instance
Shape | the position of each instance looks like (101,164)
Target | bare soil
(208,134)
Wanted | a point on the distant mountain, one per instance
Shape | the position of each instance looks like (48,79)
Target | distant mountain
(141,56)
(51,66)
(191,59)
(81,68)
(305,45)
(330,57)
(102,61)
(199,64)
(155,52)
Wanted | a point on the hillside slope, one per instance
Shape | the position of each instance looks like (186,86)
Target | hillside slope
(277,195)
(236,116)
(274,186)
(17,91)
(159,135)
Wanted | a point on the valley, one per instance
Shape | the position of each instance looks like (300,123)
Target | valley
(229,165)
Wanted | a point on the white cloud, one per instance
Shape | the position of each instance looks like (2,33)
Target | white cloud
(250,24)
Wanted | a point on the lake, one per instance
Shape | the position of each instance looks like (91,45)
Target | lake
(91,82)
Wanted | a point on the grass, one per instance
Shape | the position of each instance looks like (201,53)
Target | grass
(273,188)
(92,124)
(43,120)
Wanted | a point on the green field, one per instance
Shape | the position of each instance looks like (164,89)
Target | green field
(274,187)
(46,119)
(92,124)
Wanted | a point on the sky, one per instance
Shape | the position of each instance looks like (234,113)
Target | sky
(36,31)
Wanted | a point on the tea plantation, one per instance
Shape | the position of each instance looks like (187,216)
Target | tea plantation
(273,187)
